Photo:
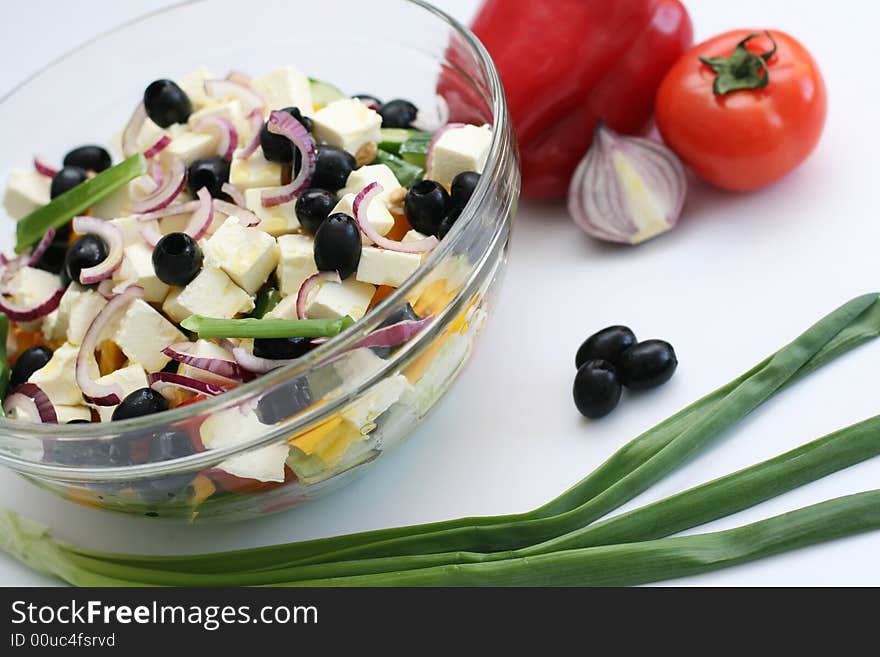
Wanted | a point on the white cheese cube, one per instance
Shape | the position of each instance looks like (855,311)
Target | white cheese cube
(67,413)
(247,255)
(83,308)
(57,377)
(351,297)
(374,402)
(377,214)
(255,171)
(286,309)
(384,267)
(414,236)
(172,308)
(277,220)
(119,203)
(193,84)
(231,111)
(148,136)
(137,268)
(284,87)
(25,192)
(234,426)
(143,333)
(130,228)
(211,294)
(189,147)
(379,173)
(296,262)
(30,286)
(458,150)
(55,325)
(130,378)
(206,349)
(347,124)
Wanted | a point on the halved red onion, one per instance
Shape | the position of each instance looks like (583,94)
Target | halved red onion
(113,238)
(41,247)
(234,193)
(21,313)
(32,401)
(165,382)
(160,145)
(182,352)
(133,129)
(169,211)
(151,233)
(309,285)
(226,133)
(101,394)
(359,207)
(247,218)
(255,119)
(163,196)
(393,335)
(429,156)
(45,169)
(223,89)
(201,219)
(256,364)
(282,123)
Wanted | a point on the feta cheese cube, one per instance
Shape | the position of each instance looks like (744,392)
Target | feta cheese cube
(189,147)
(296,262)
(377,214)
(277,220)
(137,268)
(142,334)
(247,255)
(130,378)
(384,267)
(255,171)
(284,87)
(458,150)
(83,307)
(119,203)
(378,399)
(67,413)
(233,426)
(347,124)
(286,309)
(150,133)
(172,307)
(57,378)
(351,297)
(30,285)
(55,325)
(193,84)
(212,294)
(414,236)
(25,192)
(231,111)
(380,173)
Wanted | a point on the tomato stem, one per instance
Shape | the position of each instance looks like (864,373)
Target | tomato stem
(743,69)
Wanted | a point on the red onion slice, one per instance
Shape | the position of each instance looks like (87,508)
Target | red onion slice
(246,217)
(255,119)
(256,364)
(133,129)
(99,393)
(32,401)
(182,352)
(113,238)
(223,89)
(359,207)
(41,247)
(201,219)
(169,211)
(43,168)
(225,132)
(20,313)
(165,382)
(309,285)
(393,335)
(105,289)
(164,195)
(282,123)
(151,233)
(160,145)
(234,193)
(429,156)
(157,174)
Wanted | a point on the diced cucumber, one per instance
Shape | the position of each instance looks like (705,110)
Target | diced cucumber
(392,138)
(415,149)
(324,93)
(406,173)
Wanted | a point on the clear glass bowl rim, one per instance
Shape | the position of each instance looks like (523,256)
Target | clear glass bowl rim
(493,172)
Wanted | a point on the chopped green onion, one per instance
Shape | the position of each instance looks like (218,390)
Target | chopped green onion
(266,300)
(415,149)
(5,370)
(77,200)
(405,172)
(251,327)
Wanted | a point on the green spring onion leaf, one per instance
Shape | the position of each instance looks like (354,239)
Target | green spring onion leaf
(251,327)
(405,172)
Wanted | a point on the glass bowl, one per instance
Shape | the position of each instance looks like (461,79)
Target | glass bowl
(339,408)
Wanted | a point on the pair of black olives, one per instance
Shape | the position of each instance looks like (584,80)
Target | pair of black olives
(613,358)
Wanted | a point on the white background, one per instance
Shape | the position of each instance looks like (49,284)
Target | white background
(741,275)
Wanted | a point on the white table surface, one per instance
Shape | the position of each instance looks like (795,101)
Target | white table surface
(739,277)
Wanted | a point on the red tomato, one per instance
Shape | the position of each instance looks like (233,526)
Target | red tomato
(747,138)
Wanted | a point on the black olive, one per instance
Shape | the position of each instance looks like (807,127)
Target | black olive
(338,245)
(596,389)
(143,401)
(606,344)
(332,168)
(171,366)
(170,445)
(398,113)
(29,362)
(52,259)
(448,222)
(462,188)
(313,206)
(177,259)
(87,251)
(282,348)
(166,103)
(278,148)
(210,172)
(404,313)
(66,179)
(90,157)
(289,398)
(647,364)
(425,206)
(79,420)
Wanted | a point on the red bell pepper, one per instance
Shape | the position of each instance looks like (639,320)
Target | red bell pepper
(565,64)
